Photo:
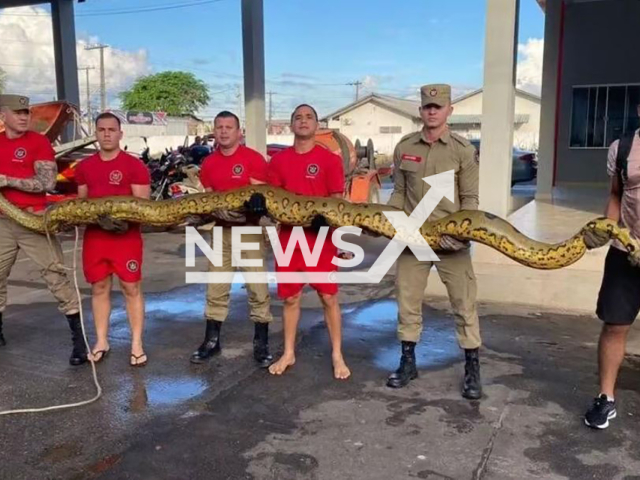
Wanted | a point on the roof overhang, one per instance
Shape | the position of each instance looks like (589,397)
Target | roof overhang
(518,119)
(543,4)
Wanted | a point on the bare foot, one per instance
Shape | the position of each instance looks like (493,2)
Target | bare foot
(138,357)
(136,349)
(98,351)
(340,369)
(282,364)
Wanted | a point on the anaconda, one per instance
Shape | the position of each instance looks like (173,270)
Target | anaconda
(291,209)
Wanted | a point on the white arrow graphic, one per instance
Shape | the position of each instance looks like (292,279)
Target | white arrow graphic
(407,232)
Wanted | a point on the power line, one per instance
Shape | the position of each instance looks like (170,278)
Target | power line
(16,40)
(189,67)
(97,13)
(25,66)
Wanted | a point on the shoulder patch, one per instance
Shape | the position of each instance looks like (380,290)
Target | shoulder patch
(461,140)
(409,136)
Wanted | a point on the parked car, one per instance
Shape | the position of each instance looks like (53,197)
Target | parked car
(524,164)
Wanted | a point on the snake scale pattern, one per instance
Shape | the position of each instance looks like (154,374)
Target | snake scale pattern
(288,208)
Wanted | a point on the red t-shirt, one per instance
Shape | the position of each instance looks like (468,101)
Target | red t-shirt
(105,178)
(17,159)
(225,172)
(317,173)
(111,177)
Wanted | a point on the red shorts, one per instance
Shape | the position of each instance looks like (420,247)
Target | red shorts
(297,264)
(104,253)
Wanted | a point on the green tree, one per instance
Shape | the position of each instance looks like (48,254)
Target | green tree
(175,93)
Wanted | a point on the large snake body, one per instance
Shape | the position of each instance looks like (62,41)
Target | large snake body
(292,209)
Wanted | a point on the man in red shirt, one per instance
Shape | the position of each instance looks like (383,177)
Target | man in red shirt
(307,169)
(27,171)
(112,172)
(231,166)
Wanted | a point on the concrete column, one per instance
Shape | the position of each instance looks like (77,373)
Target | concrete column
(254,88)
(548,108)
(64,45)
(498,103)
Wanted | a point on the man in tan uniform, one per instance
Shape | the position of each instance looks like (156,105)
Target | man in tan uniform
(27,171)
(232,166)
(434,150)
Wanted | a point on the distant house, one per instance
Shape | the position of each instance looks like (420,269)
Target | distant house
(279,127)
(148,124)
(195,125)
(467,117)
(385,119)
(381,118)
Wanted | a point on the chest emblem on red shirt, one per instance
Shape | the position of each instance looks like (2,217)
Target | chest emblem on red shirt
(313,169)
(115,177)
(237,169)
(132,266)
(19,154)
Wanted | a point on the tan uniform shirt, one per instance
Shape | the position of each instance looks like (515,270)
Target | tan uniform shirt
(415,158)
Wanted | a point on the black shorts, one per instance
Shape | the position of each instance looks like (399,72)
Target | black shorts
(619,298)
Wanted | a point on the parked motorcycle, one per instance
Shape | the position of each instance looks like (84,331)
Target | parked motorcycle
(165,172)
(189,184)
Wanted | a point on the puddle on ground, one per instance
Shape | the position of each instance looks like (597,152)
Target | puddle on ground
(172,391)
(141,393)
(438,345)
(185,303)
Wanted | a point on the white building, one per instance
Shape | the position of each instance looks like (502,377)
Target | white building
(381,118)
(467,118)
(386,119)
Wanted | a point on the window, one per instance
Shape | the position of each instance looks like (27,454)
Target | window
(390,129)
(601,114)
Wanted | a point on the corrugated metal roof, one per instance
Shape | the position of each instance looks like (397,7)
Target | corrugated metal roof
(410,107)
(520,93)
(477,119)
(403,106)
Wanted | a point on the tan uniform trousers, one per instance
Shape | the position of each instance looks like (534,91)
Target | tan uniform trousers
(258,293)
(456,272)
(13,238)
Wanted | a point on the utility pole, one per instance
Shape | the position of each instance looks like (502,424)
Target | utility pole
(103,87)
(88,106)
(270,108)
(357,85)
(239,97)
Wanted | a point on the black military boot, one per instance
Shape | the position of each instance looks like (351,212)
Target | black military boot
(261,345)
(407,371)
(79,352)
(2,340)
(472,388)
(211,344)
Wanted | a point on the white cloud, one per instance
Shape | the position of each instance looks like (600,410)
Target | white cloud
(529,71)
(370,82)
(27,58)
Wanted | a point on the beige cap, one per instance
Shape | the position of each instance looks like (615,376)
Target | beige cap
(14,102)
(437,93)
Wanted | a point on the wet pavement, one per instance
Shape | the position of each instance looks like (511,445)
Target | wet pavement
(231,420)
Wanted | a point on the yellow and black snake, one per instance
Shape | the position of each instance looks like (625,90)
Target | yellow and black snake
(288,208)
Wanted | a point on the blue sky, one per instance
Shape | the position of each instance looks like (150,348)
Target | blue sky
(312,48)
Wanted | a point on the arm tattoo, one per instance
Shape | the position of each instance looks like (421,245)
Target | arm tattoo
(43,181)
